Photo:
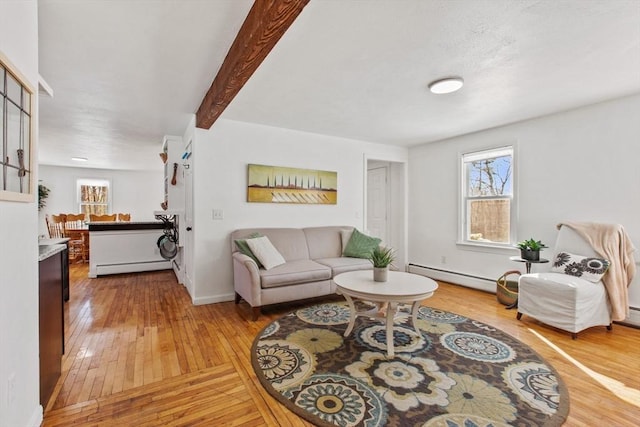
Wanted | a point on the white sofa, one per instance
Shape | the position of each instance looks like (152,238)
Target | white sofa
(313,257)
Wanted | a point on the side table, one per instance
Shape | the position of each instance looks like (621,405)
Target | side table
(527,266)
(527,263)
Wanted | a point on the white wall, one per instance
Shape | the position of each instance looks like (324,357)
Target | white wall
(136,192)
(580,165)
(221,156)
(19,251)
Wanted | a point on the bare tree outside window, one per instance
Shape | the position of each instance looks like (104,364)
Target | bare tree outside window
(488,196)
(93,196)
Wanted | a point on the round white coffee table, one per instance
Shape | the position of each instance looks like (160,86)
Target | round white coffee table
(400,287)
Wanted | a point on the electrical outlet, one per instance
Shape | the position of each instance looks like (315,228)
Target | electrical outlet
(218,214)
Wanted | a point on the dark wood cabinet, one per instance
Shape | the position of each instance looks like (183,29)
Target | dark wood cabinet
(51,310)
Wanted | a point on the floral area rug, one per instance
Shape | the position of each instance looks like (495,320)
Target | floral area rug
(457,372)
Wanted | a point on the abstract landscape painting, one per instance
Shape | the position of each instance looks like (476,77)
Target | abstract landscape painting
(275,184)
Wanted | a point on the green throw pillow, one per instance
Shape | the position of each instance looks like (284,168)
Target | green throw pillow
(244,248)
(360,245)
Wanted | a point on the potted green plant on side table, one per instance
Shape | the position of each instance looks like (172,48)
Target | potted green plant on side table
(530,249)
(381,258)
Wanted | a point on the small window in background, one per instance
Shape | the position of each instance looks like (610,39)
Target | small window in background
(94,196)
(487,197)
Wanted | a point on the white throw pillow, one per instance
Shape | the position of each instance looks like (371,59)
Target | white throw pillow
(264,250)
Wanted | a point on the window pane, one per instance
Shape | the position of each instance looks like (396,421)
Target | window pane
(93,209)
(26,101)
(489,177)
(13,134)
(95,194)
(14,89)
(13,180)
(26,137)
(489,220)
(1,131)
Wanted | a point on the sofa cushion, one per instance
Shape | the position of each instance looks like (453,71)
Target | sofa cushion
(290,242)
(265,251)
(294,272)
(243,247)
(324,242)
(360,245)
(344,264)
(345,236)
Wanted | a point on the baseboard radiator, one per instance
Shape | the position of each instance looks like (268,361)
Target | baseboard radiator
(489,285)
(633,319)
(455,277)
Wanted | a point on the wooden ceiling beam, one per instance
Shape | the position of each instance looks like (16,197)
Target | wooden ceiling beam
(266,22)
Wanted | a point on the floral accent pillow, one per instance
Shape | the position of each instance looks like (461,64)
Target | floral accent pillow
(591,269)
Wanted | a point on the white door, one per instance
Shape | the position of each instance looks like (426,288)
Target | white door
(188,218)
(377,202)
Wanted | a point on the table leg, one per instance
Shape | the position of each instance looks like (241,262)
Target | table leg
(414,316)
(527,267)
(352,317)
(390,317)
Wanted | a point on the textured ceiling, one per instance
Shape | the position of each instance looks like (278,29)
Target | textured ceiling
(126,73)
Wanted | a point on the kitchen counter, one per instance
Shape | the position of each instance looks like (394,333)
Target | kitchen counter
(50,247)
(53,290)
(126,225)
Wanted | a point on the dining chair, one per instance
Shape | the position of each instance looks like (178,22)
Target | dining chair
(60,218)
(74,229)
(125,217)
(55,228)
(98,218)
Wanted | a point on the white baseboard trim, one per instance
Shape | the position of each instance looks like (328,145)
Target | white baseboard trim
(470,281)
(213,299)
(633,319)
(37,417)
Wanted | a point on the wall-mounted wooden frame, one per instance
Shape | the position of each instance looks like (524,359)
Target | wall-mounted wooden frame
(17,124)
(275,184)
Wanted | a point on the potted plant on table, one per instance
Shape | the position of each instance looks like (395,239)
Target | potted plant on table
(381,258)
(530,249)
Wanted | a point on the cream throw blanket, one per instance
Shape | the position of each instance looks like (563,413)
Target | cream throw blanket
(611,242)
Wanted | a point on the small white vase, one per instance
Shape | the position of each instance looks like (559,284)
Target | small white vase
(380,274)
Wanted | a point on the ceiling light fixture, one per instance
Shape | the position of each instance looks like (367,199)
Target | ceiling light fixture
(79,159)
(447,85)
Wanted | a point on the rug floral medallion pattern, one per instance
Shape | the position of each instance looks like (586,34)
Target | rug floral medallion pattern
(457,372)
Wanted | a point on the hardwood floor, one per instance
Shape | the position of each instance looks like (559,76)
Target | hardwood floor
(138,353)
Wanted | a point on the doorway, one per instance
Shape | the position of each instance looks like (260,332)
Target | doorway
(377,201)
(386,206)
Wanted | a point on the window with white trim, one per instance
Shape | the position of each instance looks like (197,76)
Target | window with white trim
(94,196)
(16,126)
(487,211)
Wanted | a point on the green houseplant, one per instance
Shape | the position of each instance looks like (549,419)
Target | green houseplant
(530,249)
(381,258)
(43,193)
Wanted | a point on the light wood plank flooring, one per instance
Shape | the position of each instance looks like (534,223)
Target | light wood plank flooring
(138,353)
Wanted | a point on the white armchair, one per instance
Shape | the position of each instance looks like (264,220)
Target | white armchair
(561,300)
